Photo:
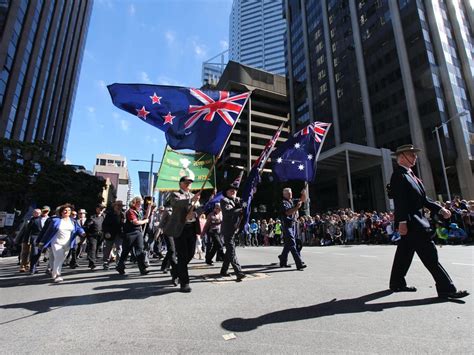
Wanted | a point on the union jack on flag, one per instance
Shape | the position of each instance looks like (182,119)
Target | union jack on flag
(318,129)
(201,120)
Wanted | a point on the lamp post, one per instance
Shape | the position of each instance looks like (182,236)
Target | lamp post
(441,151)
(151,178)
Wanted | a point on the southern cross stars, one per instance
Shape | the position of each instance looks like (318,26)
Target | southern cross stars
(155,99)
(168,118)
(142,113)
(301,167)
(310,156)
(297,145)
(279,160)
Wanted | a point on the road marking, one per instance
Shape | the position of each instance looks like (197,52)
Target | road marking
(463,264)
(339,254)
(368,256)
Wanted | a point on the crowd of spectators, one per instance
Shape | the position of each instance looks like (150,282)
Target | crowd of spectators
(344,226)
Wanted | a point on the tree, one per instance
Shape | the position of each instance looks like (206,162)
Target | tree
(30,175)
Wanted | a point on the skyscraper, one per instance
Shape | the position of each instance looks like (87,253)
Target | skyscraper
(256,34)
(41,48)
(387,73)
(213,68)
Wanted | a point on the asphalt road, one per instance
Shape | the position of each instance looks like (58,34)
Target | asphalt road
(339,304)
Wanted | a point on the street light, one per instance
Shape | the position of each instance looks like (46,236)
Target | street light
(464,113)
(151,178)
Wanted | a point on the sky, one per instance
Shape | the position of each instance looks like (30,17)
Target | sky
(143,41)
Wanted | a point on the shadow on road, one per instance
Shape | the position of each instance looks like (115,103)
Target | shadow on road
(131,291)
(330,308)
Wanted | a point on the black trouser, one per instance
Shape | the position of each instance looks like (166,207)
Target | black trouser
(230,257)
(424,247)
(185,248)
(170,257)
(214,246)
(132,240)
(92,242)
(289,246)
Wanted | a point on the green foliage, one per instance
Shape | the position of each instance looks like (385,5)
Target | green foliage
(29,174)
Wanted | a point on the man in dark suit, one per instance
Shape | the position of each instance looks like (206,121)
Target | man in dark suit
(409,197)
(182,227)
(231,211)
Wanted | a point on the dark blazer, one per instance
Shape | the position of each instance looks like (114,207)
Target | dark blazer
(181,203)
(51,229)
(409,197)
(231,211)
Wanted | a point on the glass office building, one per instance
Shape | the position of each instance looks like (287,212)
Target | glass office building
(387,73)
(41,48)
(256,34)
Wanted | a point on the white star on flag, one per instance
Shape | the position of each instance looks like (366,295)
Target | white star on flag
(279,160)
(301,167)
(310,156)
(293,162)
(297,145)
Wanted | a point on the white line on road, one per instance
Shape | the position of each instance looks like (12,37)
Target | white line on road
(339,254)
(368,256)
(463,264)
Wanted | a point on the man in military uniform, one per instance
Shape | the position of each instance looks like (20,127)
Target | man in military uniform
(231,211)
(289,212)
(409,197)
(183,227)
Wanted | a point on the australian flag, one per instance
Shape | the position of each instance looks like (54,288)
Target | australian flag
(195,119)
(295,159)
(253,179)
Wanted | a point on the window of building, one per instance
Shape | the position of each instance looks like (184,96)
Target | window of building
(322,74)
(320,60)
(323,88)
(340,92)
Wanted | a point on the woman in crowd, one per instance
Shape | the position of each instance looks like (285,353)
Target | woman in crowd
(60,235)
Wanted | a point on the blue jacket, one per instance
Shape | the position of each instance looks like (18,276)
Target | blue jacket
(50,230)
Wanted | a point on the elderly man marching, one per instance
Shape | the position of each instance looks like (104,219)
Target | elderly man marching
(409,197)
(231,211)
(289,216)
(183,227)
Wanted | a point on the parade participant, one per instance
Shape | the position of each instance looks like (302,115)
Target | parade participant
(183,227)
(213,232)
(133,236)
(231,211)
(112,228)
(289,215)
(82,244)
(35,250)
(29,236)
(94,234)
(169,261)
(60,233)
(277,232)
(409,196)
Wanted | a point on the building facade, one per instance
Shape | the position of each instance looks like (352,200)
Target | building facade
(213,68)
(266,109)
(386,73)
(256,34)
(41,48)
(113,168)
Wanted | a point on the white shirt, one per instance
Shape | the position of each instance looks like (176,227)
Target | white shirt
(64,233)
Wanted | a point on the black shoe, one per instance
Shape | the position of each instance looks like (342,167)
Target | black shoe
(174,281)
(73,265)
(224,274)
(457,294)
(185,288)
(210,263)
(240,277)
(284,265)
(106,266)
(404,289)
(92,267)
(144,272)
(164,271)
(301,267)
(120,270)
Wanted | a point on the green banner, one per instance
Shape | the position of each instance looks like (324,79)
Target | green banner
(174,165)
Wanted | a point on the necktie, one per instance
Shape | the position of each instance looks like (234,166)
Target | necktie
(418,181)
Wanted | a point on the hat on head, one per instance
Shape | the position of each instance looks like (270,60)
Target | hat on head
(217,204)
(45,208)
(406,148)
(82,211)
(101,206)
(185,178)
(118,203)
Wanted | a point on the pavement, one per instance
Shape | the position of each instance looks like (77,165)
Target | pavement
(339,304)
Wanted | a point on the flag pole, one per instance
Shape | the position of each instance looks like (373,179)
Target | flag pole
(193,206)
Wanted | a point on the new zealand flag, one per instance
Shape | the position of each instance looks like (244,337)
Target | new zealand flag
(195,119)
(295,159)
